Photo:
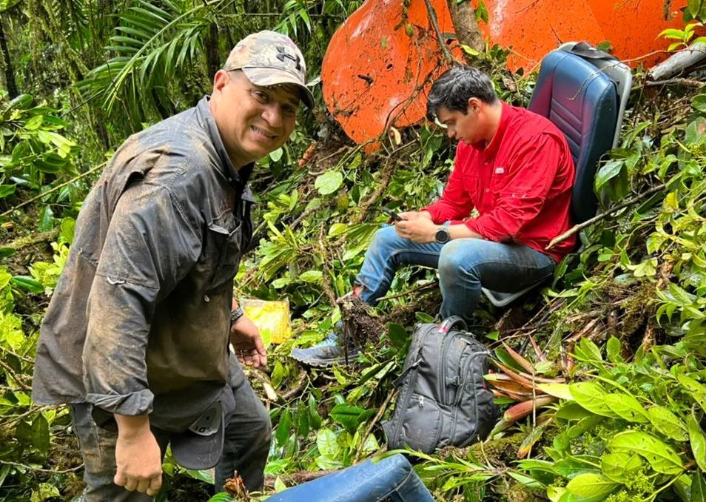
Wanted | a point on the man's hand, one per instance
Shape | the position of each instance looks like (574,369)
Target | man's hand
(419,230)
(246,341)
(137,455)
(415,215)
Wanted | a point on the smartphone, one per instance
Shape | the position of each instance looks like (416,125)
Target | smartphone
(392,214)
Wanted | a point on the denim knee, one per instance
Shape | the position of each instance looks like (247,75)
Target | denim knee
(384,240)
(455,260)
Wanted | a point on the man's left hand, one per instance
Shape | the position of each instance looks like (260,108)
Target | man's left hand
(420,230)
(247,343)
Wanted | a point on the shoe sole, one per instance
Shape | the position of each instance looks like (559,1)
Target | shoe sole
(326,362)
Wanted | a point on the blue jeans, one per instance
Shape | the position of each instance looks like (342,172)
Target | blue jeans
(390,480)
(464,266)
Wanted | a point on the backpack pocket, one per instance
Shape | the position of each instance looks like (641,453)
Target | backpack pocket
(422,424)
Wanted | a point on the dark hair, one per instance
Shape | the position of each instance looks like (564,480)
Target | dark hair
(456,86)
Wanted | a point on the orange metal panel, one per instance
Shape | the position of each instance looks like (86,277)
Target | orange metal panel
(534,27)
(375,72)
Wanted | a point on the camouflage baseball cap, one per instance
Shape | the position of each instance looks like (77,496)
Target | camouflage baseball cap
(270,58)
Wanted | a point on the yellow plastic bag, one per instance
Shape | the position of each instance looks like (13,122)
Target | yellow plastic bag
(270,317)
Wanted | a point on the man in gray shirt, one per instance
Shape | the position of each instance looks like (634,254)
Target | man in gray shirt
(136,338)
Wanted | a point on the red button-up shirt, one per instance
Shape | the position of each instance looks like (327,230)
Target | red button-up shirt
(520,184)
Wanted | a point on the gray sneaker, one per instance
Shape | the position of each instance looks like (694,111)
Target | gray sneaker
(328,352)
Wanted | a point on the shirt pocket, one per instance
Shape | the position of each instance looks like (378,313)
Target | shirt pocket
(224,247)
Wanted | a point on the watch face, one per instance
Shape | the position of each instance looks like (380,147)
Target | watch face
(442,235)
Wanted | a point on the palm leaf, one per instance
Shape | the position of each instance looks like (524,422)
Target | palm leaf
(150,45)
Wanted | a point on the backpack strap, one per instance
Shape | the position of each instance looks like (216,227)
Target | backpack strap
(450,323)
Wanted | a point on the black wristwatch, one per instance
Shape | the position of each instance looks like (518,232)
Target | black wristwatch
(442,234)
(236,314)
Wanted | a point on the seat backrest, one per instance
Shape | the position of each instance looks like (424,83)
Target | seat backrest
(583,102)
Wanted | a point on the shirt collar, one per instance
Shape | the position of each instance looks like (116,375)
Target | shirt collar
(237,178)
(505,114)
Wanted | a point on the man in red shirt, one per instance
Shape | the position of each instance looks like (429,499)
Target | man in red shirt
(515,169)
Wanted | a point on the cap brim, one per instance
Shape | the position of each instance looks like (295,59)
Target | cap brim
(274,76)
(197,452)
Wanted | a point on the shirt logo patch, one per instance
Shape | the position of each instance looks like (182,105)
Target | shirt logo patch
(499,170)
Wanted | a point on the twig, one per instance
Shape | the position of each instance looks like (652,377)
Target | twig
(433,20)
(409,291)
(13,375)
(377,417)
(589,222)
(37,469)
(687,82)
(58,187)
(298,387)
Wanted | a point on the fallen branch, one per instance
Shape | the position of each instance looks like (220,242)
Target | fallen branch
(577,228)
(31,240)
(11,373)
(433,20)
(299,386)
(686,82)
(679,63)
(465,24)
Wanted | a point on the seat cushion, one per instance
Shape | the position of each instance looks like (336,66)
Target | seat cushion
(582,102)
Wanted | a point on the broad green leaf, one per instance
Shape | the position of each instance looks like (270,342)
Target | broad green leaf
(26,283)
(699,103)
(311,276)
(327,442)
(591,487)
(698,487)
(584,425)
(614,350)
(277,154)
(591,396)
(40,434)
(398,335)
(7,190)
(337,229)
(694,7)
(45,491)
(661,457)
(560,390)
(283,428)
(621,466)
(348,416)
(667,423)
(554,493)
(329,182)
(696,390)
(697,441)
(627,407)
(572,411)
(607,172)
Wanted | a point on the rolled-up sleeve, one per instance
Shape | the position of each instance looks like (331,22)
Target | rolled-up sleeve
(150,245)
(531,172)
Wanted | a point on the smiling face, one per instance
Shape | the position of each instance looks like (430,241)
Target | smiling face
(252,120)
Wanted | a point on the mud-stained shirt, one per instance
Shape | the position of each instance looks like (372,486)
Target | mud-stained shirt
(140,318)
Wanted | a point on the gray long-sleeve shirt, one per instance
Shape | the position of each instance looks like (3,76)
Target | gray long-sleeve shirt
(139,320)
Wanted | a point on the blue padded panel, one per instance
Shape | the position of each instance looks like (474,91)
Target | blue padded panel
(582,102)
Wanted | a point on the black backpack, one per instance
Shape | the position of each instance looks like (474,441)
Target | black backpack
(443,398)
